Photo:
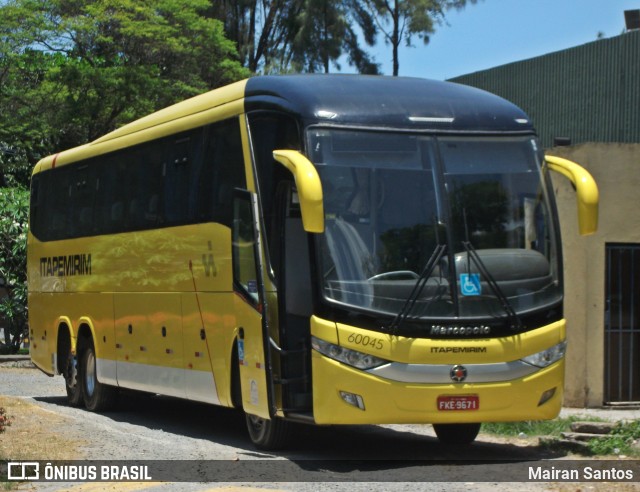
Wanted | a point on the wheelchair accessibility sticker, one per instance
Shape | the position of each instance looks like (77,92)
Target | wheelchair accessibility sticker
(470,284)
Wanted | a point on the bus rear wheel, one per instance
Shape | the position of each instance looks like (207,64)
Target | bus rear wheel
(456,434)
(98,397)
(266,434)
(72,383)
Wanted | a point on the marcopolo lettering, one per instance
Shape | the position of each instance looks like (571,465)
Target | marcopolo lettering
(65,266)
(460,330)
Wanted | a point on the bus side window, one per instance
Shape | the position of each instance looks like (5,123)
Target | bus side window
(82,190)
(145,186)
(109,202)
(58,205)
(222,171)
(176,172)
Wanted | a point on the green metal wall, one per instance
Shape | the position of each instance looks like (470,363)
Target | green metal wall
(590,93)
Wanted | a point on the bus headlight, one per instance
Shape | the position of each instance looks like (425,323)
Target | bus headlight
(347,356)
(547,357)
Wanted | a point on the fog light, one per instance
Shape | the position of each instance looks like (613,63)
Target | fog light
(352,399)
(546,396)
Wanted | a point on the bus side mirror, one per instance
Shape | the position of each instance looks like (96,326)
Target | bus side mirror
(308,185)
(586,190)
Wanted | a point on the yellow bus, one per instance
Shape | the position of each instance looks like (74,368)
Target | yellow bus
(304,248)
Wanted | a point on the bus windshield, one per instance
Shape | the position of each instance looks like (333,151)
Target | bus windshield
(436,226)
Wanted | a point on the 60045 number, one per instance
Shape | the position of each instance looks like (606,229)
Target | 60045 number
(366,341)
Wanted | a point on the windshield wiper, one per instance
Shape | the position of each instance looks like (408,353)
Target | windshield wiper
(402,315)
(516,323)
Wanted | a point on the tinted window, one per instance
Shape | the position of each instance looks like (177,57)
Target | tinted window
(183,179)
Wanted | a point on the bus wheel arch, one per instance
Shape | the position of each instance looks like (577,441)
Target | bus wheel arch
(235,388)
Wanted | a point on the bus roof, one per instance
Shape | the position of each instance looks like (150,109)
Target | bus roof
(356,100)
(398,102)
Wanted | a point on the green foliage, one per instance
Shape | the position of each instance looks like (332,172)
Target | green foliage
(530,428)
(73,70)
(619,441)
(14,206)
(325,31)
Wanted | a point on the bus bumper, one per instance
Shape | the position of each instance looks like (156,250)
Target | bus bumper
(344,395)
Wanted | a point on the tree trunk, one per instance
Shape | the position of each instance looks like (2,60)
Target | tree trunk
(395,38)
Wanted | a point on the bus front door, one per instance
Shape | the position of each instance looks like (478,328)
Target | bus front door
(253,338)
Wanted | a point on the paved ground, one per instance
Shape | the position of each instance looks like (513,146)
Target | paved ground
(172,430)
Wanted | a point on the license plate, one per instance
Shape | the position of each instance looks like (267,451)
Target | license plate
(458,403)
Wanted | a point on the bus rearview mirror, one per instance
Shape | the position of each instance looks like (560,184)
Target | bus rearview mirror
(586,191)
(308,185)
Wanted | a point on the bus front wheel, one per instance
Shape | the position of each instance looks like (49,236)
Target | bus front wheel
(98,397)
(456,434)
(268,434)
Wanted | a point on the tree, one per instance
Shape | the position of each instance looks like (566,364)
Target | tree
(301,35)
(13,263)
(257,27)
(401,20)
(325,31)
(72,70)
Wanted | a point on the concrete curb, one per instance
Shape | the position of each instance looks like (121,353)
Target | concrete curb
(13,358)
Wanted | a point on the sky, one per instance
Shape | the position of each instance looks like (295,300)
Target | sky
(496,32)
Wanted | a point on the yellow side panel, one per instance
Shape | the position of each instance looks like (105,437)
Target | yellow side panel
(149,329)
(214,311)
(162,260)
(48,310)
(150,273)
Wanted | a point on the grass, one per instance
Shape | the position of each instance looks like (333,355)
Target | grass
(534,428)
(35,434)
(619,442)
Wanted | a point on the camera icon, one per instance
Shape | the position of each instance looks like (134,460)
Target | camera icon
(23,470)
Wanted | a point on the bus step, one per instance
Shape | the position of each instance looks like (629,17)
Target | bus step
(287,353)
(302,379)
(298,416)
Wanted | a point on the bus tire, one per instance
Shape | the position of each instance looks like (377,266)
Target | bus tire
(456,434)
(68,367)
(72,383)
(268,435)
(98,397)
